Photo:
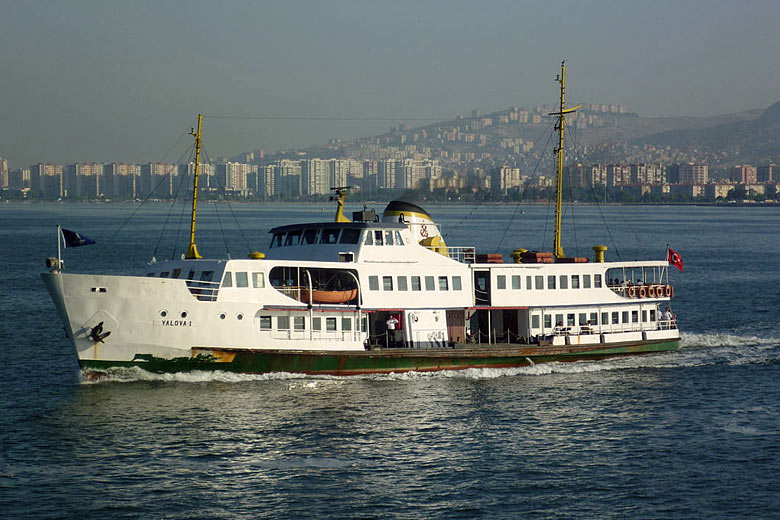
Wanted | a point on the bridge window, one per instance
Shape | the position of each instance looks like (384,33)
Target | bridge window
(242,280)
(350,236)
(398,240)
(501,282)
(429,284)
(416,283)
(369,240)
(293,238)
(564,281)
(586,281)
(373,283)
(330,236)
(258,280)
(402,286)
(379,238)
(276,241)
(387,283)
(206,276)
(388,238)
(310,236)
(227,280)
(456,283)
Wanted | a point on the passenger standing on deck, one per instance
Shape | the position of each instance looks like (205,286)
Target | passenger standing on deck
(392,323)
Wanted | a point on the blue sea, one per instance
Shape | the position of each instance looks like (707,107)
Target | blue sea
(688,434)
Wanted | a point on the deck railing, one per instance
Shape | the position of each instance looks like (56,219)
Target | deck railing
(203,290)
(462,254)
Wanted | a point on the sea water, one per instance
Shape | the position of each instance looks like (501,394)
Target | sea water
(689,434)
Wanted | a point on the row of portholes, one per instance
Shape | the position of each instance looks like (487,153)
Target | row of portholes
(183,314)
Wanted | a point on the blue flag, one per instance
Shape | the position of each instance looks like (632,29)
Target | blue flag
(73,239)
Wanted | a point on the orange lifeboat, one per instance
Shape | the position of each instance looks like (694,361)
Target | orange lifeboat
(318,296)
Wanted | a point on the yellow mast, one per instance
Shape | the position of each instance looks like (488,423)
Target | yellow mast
(557,239)
(192,251)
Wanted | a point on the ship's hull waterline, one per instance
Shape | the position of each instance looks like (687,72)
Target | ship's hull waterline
(377,361)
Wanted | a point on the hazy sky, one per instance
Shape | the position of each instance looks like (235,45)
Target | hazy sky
(123,80)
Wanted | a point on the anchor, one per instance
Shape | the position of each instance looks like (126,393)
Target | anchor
(97,334)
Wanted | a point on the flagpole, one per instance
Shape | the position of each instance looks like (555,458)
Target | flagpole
(59,247)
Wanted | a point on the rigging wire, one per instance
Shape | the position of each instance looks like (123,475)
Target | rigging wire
(183,209)
(329,118)
(170,210)
(525,188)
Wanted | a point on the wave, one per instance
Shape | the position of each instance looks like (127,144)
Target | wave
(696,349)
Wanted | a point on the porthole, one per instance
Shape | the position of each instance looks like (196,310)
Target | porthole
(222,315)
(240,317)
(183,314)
(163,313)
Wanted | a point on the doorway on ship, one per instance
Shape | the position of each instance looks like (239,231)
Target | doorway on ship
(482,287)
(456,326)
(386,329)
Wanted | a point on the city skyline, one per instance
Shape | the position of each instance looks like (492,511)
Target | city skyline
(119,82)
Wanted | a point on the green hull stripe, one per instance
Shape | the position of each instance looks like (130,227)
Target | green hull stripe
(258,361)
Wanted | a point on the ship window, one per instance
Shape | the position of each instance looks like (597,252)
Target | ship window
(293,238)
(164,274)
(570,319)
(388,238)
(501,282)
(283,323)
(258,280)
(350,236)
(551,281)
(330,324)
(644,315)
(586,281)
(535,321)
(265,323)
(346,324)
(329,236)
(316,323)
(457,285)
(597,281)
(378,239)
(191,276)
(310,236)
(615,318)
(176,273)
(539,281)
(402,286)
(149,274)
(634,316)
(369,240)
(416,283)
(564,281)
(624,317)
(387,283)
(547,321)
(227,281)
(429,285)
(242,280)
(652,314)
(583,318)
(444,284)
(363,324)
(299,322)
(516,281)
(398,240)
(594,318)
(373,283)
(206,276)
(575,281)
(529,282)
(276,241)
(558,319)
(605,318)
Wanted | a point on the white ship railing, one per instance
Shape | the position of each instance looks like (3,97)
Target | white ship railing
(462,254)
(203,290)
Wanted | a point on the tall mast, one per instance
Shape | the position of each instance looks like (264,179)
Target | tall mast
(192,251)
(557,239)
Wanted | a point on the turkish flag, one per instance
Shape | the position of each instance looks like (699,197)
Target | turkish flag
(674,258)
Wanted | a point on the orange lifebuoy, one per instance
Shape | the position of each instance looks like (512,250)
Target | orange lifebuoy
(631,291)
(643,292)
(668,291)
(671,291)
(651,291)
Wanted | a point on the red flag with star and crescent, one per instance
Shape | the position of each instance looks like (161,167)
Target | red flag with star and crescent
(674,258)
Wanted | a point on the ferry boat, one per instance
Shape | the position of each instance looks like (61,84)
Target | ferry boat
(374,294)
